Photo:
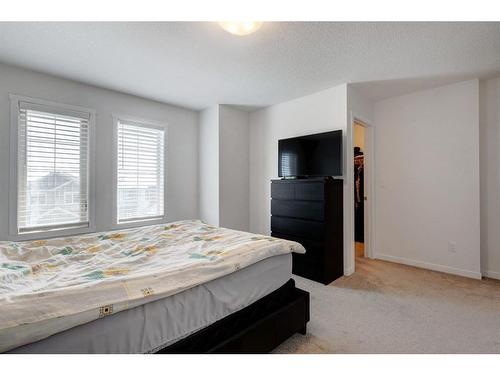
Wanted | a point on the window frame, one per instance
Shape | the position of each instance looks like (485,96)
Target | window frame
(146,124)
(14,234)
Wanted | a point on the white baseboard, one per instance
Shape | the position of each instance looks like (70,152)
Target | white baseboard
(430,266)
(492,274)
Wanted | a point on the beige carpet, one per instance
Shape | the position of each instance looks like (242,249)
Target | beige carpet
(391,308)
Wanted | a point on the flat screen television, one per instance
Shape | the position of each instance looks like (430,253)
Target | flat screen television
(315,155)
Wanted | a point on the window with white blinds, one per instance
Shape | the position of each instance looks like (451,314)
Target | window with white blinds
(53,155)
(140,172)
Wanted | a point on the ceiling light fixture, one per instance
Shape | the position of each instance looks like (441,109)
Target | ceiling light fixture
(241,28)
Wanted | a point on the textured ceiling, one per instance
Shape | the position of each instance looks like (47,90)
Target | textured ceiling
(196,65)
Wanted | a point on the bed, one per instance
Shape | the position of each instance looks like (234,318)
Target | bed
(182,287)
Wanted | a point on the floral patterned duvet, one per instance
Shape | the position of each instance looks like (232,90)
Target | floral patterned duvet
(48,286)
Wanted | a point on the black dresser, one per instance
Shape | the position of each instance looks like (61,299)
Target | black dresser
(310,211)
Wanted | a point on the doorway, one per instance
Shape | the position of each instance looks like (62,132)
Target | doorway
(362,143)
(359,189)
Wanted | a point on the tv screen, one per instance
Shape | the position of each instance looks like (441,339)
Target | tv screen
(314,155)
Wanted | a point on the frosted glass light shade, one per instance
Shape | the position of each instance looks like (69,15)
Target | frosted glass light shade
(241,28)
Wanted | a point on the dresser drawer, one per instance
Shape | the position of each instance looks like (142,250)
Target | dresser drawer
(298,209)
(309,268)
(314,249)
(310,191)
(291,190)
(282,190)
(314,230)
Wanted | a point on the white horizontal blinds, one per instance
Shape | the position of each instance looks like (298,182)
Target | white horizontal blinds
(140,172)
(52,168)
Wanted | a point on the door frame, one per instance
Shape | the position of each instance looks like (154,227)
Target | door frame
(369,188)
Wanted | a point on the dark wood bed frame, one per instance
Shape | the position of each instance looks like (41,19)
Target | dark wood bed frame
(258,328)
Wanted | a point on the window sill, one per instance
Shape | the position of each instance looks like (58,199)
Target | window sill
(40,235)
(140,223)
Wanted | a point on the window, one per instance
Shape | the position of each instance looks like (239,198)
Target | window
(139,172)
(52,165)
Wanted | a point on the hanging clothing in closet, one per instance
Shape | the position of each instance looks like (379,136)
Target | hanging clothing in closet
(359,195)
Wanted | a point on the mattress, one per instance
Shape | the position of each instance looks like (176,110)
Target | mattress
(152,326)
(53,285)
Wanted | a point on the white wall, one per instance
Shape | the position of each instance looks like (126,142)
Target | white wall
(359,106)
(209,165)
(182,163)
(427,179)
(490,176)
(319,112)
(234,172)
(223,143)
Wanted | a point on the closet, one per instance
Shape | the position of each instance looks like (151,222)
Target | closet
(359,189)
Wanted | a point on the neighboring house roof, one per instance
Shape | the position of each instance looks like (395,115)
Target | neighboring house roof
(53,181)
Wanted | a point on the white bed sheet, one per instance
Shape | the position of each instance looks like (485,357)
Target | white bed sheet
(151,326)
